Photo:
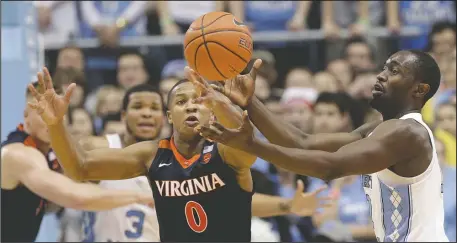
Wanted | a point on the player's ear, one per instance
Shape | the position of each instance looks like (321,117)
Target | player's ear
(169,117)
(421,90)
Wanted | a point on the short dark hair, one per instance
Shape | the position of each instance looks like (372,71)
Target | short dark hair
(426,70)
(110,117)
(172,88)
(358,40)
(341,100)
(139,88)
(437,28)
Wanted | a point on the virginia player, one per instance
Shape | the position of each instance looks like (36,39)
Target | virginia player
(202,190)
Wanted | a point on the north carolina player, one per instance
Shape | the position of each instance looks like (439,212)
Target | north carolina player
(398,160)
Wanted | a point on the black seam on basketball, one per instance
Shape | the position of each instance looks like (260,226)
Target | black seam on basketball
(217,31)
(206,47)
(213,20)
(195,57)
(234,53)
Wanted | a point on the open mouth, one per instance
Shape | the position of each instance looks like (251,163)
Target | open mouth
(191,121)
(146,125)
(377,89)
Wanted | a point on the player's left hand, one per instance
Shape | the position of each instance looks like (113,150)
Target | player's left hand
(306,204)
(207,95)
(239,138)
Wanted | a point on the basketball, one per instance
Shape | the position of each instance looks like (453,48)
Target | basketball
(218,46)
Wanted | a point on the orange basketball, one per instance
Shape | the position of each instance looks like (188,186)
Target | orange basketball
(218,46)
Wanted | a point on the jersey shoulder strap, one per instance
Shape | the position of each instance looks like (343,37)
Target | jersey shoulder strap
(114,140)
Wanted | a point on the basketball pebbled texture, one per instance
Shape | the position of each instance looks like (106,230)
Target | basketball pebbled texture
(218,46)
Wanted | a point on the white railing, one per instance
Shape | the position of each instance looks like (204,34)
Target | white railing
(267,36)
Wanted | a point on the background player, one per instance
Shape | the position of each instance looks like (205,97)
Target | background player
(29,178)
(219,179)
(401,173)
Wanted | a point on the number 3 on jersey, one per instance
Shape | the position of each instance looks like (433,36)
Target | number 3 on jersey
(191,209)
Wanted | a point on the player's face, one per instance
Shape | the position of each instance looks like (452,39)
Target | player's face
(36,127)
(144,115)
(183,113)
(328,118)
(131,71)
(395,83)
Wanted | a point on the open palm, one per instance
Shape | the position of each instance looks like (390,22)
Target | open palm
(241,88)
(51,106)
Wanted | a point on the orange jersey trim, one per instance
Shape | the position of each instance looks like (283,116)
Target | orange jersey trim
(185,163)
(28,140)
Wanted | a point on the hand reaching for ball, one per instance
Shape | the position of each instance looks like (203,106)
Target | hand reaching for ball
(241,88)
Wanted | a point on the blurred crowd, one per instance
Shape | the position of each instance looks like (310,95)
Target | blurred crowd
(327,94)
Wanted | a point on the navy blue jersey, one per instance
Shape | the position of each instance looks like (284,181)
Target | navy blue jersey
(23,210)
(198,199)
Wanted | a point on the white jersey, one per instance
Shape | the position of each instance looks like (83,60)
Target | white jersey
(407,209)
(132,223)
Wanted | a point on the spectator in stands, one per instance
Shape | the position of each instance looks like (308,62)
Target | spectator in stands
(445,118)
(262,88)
(332,113)
(441,39)
(80,122)
(449,191)
(64,77)
(108,21)
(71,57)
(359,54)
(271,15)
(131,70)
(325,82)
(112,124)
(268,68)
(299,77)
(176,16)
(165,86)
(363,84)
(298,112)
(422,14)
(108,101)
(342,71)
(57,20)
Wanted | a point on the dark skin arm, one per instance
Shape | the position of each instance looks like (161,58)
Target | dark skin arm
(240,90)
(392,143)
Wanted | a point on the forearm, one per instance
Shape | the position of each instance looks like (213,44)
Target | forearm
(327,12)
(69,152)
(134,11)
(275,129)
(302,9)
(392,12)
(269,206)
(304,162)
(363,10)
(94,198)
(164,14)
(362,231)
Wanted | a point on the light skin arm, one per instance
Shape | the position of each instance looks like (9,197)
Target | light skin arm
(28,166)
(78,164)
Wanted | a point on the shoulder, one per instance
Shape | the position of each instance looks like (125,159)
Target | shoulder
(408,133)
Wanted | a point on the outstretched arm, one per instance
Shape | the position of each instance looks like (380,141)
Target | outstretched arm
(28,166)
(391,142)
(77,163)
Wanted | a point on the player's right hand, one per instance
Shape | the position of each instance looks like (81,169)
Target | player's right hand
(241,88)
(51,106)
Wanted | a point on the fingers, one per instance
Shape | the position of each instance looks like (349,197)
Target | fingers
(209,132)
(217,88)
(326,205)
(300,187)
(34,92)
(47,78)
(41,81)
(69,92)
(218,126)
(194,76)
(255,68)
(36,107)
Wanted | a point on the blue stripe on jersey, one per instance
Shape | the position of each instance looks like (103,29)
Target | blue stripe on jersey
(396,206)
